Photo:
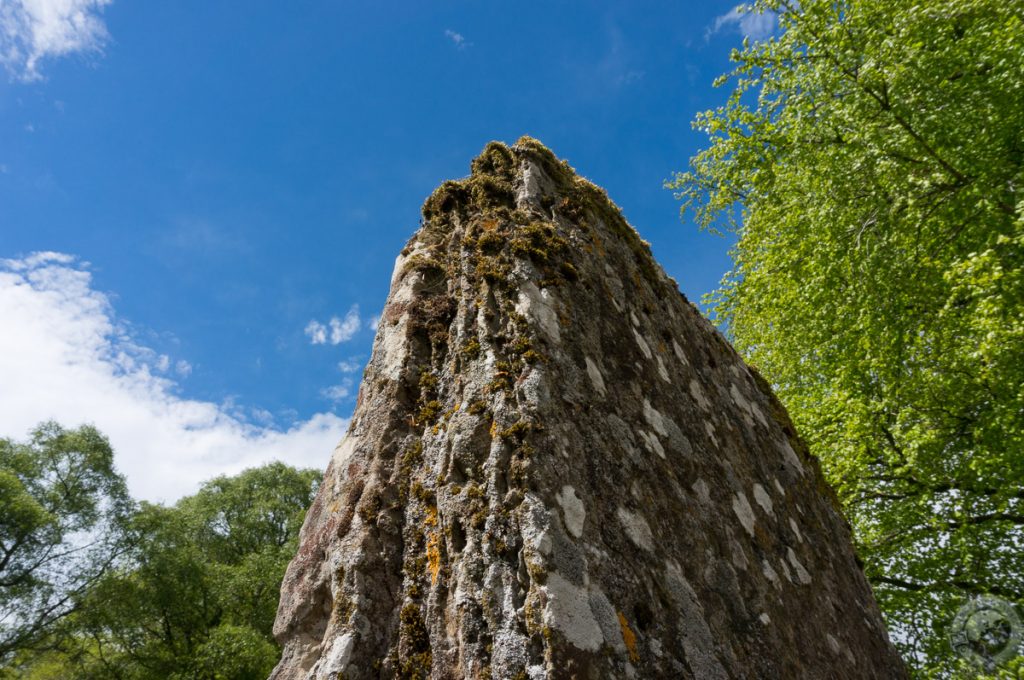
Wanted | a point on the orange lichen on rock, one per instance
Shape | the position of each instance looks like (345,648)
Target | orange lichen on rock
(629,637)
(433,544)
(433,557)
(431,519)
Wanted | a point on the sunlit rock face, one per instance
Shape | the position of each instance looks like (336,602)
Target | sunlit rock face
(558,468)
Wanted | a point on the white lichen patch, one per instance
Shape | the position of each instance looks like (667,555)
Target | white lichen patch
(535,525)
(765,619)
(801,573)
(652,443)
(778,486)
(662,371)
(700,487)
(709,427)
(635,321)
(572,510)
(679,353)
(636,528)
(741,506)
(789,454)
(654,418)
(770,574)
(697,392)
(596,378)
(607,620)
(738,555)
(763,499)
(785,570)
(644,347)
(537,305)
(758,413)
(749,409)
(796,530)
(568,611)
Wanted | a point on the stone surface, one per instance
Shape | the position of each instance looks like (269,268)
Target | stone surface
(557,468)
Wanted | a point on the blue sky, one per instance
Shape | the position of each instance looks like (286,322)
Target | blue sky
(222,193)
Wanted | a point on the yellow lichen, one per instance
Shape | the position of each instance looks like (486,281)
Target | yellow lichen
(433,557)
(629,637)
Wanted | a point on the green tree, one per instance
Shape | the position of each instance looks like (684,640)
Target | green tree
(62,513)
(197,597)
(870,162)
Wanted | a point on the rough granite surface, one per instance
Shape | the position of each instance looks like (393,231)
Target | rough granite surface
(557,468)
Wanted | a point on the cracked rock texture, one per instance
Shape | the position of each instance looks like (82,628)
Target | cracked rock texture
(557,468)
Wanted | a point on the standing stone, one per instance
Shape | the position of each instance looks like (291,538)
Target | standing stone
(557,468)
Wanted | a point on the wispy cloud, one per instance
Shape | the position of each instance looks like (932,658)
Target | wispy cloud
(340,392)
(457,39)
(336,330)
(317,332)
(70,358)
(743,20)
(350,365)
(34,30)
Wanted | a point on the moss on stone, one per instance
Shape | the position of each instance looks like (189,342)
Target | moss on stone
(416,660)
(471,348)
(496,159)
(448,197)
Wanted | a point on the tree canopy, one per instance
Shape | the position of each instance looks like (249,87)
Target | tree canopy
(190,591)
(62,513)
(870,162)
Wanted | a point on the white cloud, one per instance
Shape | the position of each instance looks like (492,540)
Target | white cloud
(373,323)
(34,30)
(337,330)
(350,365)
(457,38)
(64,355)
(743,20)
(338,392)
(36,259)
(317,332)
(344,329)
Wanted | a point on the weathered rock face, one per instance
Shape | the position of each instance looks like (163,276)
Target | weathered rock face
(557,468)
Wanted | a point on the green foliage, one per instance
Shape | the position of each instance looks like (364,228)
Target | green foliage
(62,509)
(870,160)
(197,596)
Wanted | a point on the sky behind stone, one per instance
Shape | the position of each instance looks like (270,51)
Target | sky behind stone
(201,202)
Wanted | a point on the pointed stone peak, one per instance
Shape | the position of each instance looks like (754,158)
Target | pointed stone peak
(557,468)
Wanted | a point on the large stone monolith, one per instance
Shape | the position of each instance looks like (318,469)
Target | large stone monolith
(557,468)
